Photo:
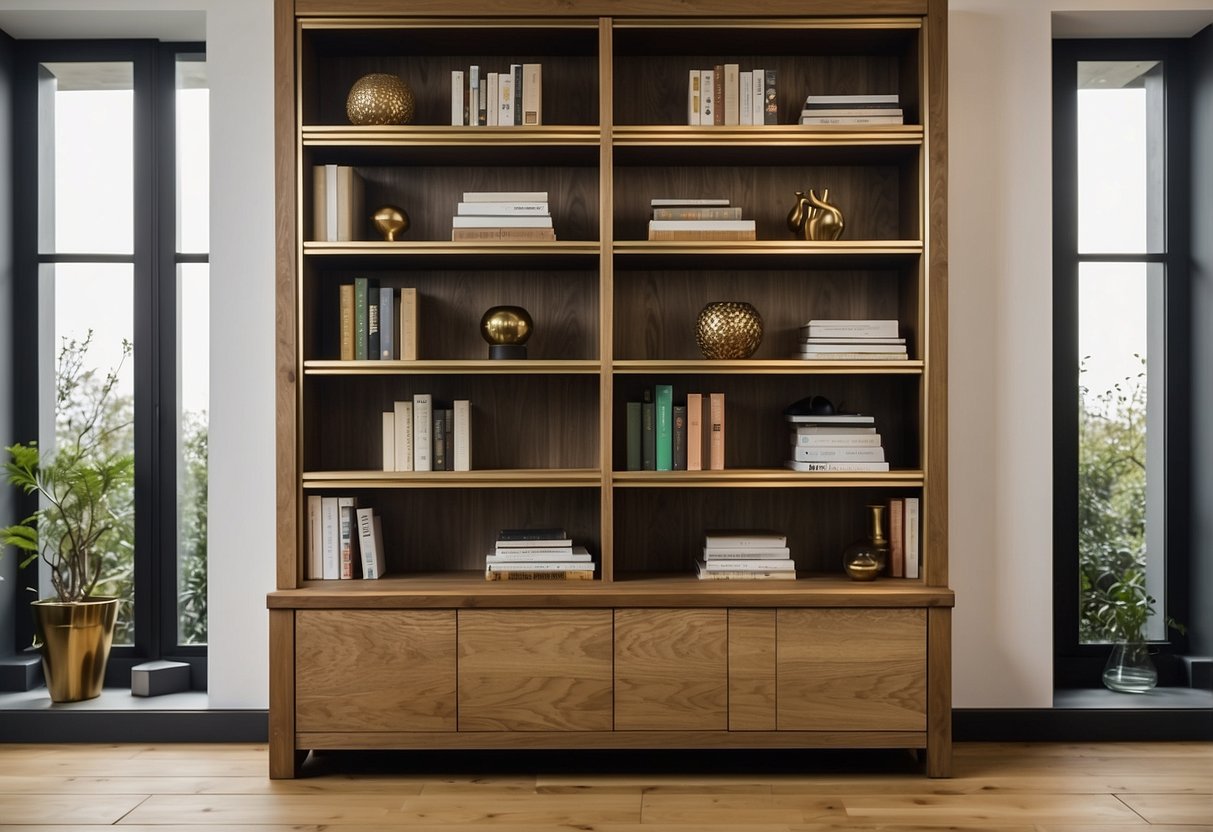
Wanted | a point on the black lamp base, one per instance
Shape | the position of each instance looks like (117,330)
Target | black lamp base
(507,351)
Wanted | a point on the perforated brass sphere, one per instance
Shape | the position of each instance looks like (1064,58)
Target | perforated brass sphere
(728,329)
(380,98)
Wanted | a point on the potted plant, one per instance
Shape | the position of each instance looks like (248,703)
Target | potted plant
(1122,609)
(86,504)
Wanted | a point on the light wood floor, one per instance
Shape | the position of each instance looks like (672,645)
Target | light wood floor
(1167,787)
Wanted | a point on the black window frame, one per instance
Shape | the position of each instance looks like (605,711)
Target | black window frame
(155,260)
(1079,665)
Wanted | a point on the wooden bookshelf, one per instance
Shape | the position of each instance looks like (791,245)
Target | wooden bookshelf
(858,665)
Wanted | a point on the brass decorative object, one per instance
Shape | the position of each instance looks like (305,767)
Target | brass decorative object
(75,642)
(380,98)
(507,329)
(390,221)
(815,218)
(728,329)
(865,559)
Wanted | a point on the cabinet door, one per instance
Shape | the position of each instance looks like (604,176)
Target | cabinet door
(852,670)
(752,670)
(671,670)
(535,670)
(380,670)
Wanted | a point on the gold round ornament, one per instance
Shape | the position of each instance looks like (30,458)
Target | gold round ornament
(380,98)
(728,329)
(390,221)
(507,329)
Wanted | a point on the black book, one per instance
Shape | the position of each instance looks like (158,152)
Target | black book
(532,534)
(680,437)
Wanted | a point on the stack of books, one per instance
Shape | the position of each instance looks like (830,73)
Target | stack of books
(698,219)
(378,323)
(665,436)
(503,215)
(344,541)
(337,204)
(851,109)
(837,442)
(537,554)
(425,435)
(497,99)
(860,340)
(904,529)
(745,555)
(726,95)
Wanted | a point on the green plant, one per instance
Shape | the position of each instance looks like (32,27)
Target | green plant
(85,488)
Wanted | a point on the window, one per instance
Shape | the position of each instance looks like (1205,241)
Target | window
(114,153)
(1120,345)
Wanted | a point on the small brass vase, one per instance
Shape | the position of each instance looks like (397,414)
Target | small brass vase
(390,221)
(728,329)
(814,218)
(380,98)
(507,329)
(75,641)
(865,559)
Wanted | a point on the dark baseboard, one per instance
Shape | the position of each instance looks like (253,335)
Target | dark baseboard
(1082,725)
(144,725)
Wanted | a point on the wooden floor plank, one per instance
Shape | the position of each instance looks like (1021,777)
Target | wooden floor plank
(707,808)
(68,809)
(977,809)
(1173,808)
(335,784)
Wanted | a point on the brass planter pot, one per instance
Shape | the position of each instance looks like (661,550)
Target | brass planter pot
(75,639)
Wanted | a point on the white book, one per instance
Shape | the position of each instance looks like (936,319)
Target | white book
(505,196)
(833,430)
(457,82)
(532,95)
(496,209)
(744,552)
(422,403)
(314,569)
(492,112)
(571,553)
(848,419)
(743,538)
(913,522)
(818,346)
(836,467)
(347,536)
(851,99)
(684,202)
(473,95)
(844,340)
(519,221)
(702,225)
(707,108)
(752,563)
(482,98)
(370,543)
(551,543)
(745,85)
(838,454)
(856,328)
(732,95)
(389,441)
(540,567)
(330,204)
(331,518)
(866,440)
(852,356)
(828,120)
(759,99)
(505,96)
(705,575)
(693,93)
(851,111)
(462,435)
(402,421)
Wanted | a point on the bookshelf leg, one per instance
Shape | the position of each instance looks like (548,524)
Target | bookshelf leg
(939,693)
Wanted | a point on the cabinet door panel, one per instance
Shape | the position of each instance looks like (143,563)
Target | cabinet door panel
(381,670)
(535,670)
(752,670)
(852,670)
(671,670)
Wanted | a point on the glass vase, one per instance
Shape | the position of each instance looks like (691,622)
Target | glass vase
(1130,668)
(865,559)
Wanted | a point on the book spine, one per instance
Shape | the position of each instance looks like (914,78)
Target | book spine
(448,426)
(707,108)
(349,204)
(319,204)
(402,422)
(770,114)
(493,110)
(694,432)
(664,424)
(718,94)
(346,304)
(482,103)
(633,436)
(408,324)
(897,542)
(565,575)
(388,421)
(314,568)
(732,98)
(387,318)
(817,454)
(693,234)
(696,214)
(422,403)
(525,234)
(438,437)
(758,102)
(741,564)
(505,94)
(457,111)
(462,416)
(817,120)
(532,95)
(913,525)
(716,404)
(517,68)
(837,467)
(745,85)
(648,437)
(331,535)
(473,95)
(345,513)
(680,437)
(372,320)
(693,97)
(512,221)
(496,209)
(361,288)
(366,543)
(867,440)
(331,212)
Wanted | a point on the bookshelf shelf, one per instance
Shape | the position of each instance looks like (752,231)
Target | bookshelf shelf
(411,136)
(459,367)
(501,478)
(766,478)
(769,367)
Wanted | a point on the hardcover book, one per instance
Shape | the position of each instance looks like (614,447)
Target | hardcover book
(532,95)
(716,405)
(361,290)
(331,533)
(664,416)
(553,533)
(346,303)
(462,436)
(632,460)
(370,542)
(694,432)
(315,524)
(387,328)
(408,324)
(422,425)
(388,444)
(402,420)
(770,114)
(648,436)
(348,535)
(680,437)
(693,98)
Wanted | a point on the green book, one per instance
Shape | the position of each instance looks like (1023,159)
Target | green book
(664,413)
(633,423)
(360,318)
(647,437)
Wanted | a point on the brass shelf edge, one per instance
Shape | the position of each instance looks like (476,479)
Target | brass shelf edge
(790,366)
(313,248)
(767,135)
(857,248)
(761,477)
(323,367)
(532,478)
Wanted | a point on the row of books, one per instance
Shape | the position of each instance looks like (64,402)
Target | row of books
(841,340)
(904,537)
(424,435)
(497,99)
(710,218)
(851,109)
(503,215)
(835,442)
(664,436)
(745,555)
(378,323)
(727,95)
(537,554)
(344,541)
(338,214)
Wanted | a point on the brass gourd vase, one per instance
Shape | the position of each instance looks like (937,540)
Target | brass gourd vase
(380,98)
(728,329)
(815,218)
(865,559)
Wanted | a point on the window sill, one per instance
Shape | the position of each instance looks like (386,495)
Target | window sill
(1162,698)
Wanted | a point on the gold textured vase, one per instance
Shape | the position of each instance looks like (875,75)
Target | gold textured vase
(75,639)
(728,329)
(380,98)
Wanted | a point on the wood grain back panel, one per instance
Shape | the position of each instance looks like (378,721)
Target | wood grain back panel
(671,669)
(535,670)
(752,670)
(856,670)
(379,670)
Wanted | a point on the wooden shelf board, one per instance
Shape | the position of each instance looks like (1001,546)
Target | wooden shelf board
(500,478)
(769,366)
(457,367)
(410,135)
(441,248)
(766,478)
(470,589)
(768,135)
(702,248)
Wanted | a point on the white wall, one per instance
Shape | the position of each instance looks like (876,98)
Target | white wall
(1000,362)
(239,36)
